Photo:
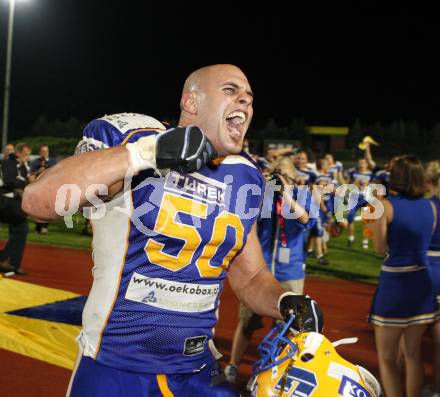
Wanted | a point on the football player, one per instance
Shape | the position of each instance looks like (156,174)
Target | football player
(360,177)
(324,184)
(162,246)
(304,175)
(336,169)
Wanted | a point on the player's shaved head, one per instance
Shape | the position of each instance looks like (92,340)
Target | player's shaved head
(197,78)
(218,99)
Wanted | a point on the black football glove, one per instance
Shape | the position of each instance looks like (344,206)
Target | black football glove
(185,149)
(308,315)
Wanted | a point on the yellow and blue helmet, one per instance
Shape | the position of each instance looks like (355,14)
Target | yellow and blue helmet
(302,364)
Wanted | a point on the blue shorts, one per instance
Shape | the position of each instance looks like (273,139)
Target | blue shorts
(93,379)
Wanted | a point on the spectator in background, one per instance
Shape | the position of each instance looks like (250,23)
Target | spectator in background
(37,166)
(324,183)
(360,177)
(43,162)
(404,303)
(9,148)
(248,151)
(336,169)
(16,176)
(273,155)
(303,174)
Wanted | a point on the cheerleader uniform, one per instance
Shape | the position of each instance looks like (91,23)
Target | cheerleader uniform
(434,254)
(404,293)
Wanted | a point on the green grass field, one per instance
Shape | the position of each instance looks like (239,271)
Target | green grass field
(59,234)
(353,263)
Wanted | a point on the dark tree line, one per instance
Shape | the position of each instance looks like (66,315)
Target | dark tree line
(71,127)
(400,136)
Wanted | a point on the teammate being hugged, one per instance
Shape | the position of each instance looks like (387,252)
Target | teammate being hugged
(165,245)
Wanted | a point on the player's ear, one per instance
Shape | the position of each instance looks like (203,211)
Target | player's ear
(189,103)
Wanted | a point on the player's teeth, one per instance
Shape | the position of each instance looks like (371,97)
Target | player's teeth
(237,114)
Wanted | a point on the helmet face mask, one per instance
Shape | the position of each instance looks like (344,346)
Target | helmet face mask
(307,364)
(276,347)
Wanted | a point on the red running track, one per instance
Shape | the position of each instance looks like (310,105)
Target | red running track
(345,305)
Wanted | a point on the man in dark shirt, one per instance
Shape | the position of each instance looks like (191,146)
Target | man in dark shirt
(43,162)
(16,176)
(37,166)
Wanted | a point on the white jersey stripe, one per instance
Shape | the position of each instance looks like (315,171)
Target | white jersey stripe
(125,122)
(237,159)
(110,242)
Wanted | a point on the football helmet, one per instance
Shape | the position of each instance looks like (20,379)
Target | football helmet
(301,364)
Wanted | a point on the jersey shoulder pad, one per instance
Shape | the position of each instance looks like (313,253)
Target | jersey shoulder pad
(111,130)
(125,122)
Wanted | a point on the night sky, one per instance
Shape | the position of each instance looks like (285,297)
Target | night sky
(84,58)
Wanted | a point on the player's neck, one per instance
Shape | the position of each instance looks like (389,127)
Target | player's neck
(185,120)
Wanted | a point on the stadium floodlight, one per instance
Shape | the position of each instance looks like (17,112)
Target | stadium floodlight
(5,124)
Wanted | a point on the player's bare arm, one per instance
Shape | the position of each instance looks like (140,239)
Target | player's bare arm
(252,282)
(369,157)
(106,167)
(380,227)
(256,287)
(295,207)
(340,178)
(184,148)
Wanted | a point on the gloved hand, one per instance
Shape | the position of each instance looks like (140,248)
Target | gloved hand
(308,314)
(184,149)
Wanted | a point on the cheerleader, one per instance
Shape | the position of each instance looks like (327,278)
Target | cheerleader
(433,183)
(404,303)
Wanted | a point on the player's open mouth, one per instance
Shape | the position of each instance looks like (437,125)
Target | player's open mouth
(235,122)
